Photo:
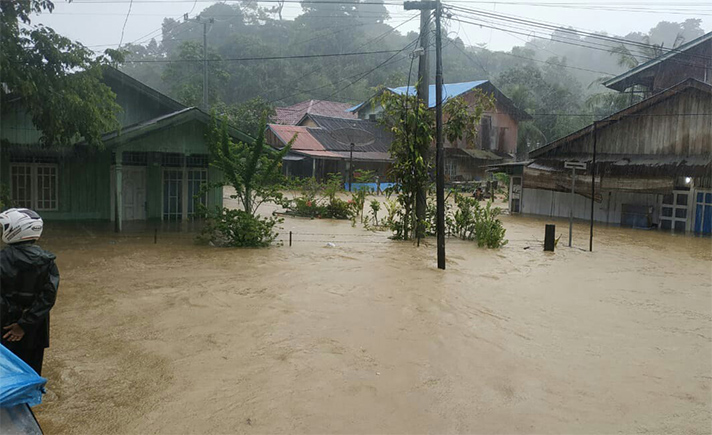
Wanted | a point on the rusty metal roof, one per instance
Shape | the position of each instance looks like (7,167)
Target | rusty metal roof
(291,115)
(304,141)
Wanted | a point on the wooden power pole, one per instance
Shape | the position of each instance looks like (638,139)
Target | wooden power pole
(423,93)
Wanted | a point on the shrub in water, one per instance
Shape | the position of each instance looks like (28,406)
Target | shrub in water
(236,228)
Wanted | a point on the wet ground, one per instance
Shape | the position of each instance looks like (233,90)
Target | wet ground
(369,337)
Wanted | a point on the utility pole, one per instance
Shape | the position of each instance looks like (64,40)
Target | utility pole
(425,7)
(205,23)
(593,185)
(205,66)
(423,91)
(439,157)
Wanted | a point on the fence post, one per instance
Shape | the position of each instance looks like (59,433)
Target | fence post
(549,237)
(290,238)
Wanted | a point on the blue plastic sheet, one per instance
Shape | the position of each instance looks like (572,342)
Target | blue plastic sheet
(18,382)
(370,186)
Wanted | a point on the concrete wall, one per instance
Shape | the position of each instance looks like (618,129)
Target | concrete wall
(557,204)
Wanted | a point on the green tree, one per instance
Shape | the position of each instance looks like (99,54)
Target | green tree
(413,128)
(58,80)
(185,75)
(252,169)
(248,116)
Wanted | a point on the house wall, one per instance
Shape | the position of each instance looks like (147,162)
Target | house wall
(16,126)
(83,184)
(558,204)
(136,106)
(503,136)
(188,139)
(655,133)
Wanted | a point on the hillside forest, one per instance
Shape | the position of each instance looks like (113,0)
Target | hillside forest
(556,78)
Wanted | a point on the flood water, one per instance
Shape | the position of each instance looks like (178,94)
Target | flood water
(369,337)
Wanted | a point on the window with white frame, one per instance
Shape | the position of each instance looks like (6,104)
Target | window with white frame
(34,185)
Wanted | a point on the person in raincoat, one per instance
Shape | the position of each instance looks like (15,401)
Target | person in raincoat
(29,280)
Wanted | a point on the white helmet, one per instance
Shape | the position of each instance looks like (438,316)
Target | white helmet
(20,225)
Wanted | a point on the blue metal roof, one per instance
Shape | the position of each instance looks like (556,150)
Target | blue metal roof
(449,91)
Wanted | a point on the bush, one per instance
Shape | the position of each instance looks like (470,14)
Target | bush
(488,229)
(358,196)
(236,228)
(471,221)
(339,209)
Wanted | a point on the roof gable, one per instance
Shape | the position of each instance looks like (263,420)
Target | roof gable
(138,101)
(629,112)
(180,117)
(292,115)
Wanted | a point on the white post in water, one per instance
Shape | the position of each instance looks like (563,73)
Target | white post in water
(573,166)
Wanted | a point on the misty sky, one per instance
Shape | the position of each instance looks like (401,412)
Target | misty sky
(98,24)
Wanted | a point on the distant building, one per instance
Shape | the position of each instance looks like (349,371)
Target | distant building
(653,165)
(318,150)
(151,168)
(497,132)
(291,115)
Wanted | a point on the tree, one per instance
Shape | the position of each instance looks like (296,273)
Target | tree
(413,128)
(248,116)
(186,75)
(58,80)
(252,169)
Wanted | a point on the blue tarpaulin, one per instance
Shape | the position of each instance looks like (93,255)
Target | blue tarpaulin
(369,186)
(19,384)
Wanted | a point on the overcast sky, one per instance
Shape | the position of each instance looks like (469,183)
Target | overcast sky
(99,24)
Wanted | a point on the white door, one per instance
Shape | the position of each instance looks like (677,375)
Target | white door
(134,192)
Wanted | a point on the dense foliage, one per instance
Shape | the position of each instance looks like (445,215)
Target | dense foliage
(236,228)
(413,128)
(553,79)
(319,200)
(253,170)
(472,221)
(58,80)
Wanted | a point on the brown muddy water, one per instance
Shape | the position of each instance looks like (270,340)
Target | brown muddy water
(369,337)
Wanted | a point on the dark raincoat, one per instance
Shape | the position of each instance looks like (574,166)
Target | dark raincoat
(29,280)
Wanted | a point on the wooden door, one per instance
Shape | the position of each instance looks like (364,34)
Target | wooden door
(134,192)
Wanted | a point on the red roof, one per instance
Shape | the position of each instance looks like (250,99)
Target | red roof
(304,142)
(308,144)
(291,115)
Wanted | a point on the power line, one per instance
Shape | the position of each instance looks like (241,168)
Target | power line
(575,32)
(319,67)
(125,21)
(244,59)
(565,41)
(415,41)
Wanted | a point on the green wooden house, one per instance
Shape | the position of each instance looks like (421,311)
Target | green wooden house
(150,169)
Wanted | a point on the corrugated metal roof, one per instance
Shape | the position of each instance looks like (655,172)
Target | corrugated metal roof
(318,142)
(621,82)
(304,142)
(382,137)
(449,90)
(291,115)
(623,114)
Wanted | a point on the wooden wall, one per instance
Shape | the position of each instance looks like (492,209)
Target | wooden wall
(656,134)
